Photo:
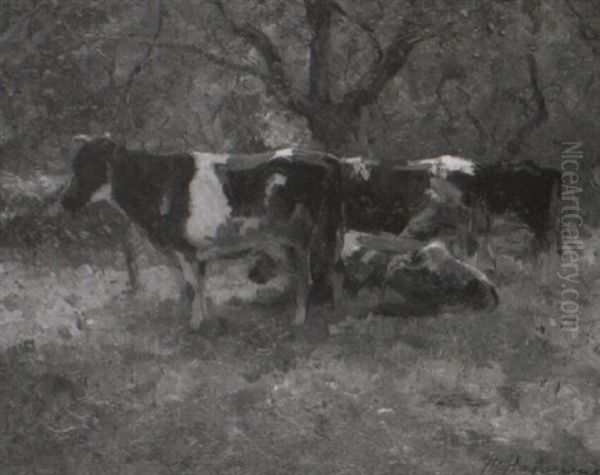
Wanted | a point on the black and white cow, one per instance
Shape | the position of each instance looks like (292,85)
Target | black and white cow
(431,279)
(524,189)
(381,197)
(468,198)
(413,278)
(206,206)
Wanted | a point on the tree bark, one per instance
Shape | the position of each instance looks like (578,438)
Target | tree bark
(334,125)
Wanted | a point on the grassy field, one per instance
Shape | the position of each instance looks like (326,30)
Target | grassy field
(97,380)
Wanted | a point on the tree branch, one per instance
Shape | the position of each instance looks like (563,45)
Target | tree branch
(208,56)
(477,124)
(275,80)
(393,59)
(514,146)
(138,68)
(318,16)
(589,34)
(364,26)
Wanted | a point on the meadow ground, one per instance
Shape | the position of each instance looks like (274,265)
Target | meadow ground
(97,380)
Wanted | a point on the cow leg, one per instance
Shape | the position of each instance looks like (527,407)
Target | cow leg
(337,271)
(199,307)
(129,251)
(337,283)
(194,274)
(302,258)
(190,274)
(130,265)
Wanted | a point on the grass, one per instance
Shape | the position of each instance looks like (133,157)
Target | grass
(95,380)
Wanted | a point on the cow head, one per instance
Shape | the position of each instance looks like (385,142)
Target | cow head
(90,173)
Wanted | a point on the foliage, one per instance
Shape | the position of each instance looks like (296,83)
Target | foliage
(393,80)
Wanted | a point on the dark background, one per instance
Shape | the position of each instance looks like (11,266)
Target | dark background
(393,80)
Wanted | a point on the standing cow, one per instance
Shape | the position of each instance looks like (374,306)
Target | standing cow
(469,199)
(380,197)
(205,206)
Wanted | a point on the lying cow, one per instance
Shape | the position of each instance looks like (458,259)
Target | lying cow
(414,278)
(206,206)
(431,279)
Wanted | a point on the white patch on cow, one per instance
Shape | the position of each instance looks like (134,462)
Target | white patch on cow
(85,138)
(451,164)
(286,153)
(436,251)
(444,192)
(433,195)
(368,256)
(249,223)
(351,243)
(437,254)
(209,207)
(104,193)
(441,166)
(277,179)
(359,167)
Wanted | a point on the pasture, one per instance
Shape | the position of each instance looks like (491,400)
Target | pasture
(97,379)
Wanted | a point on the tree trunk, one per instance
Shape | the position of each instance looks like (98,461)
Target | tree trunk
(336,127)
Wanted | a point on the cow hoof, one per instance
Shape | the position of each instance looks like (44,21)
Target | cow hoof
(196,321)
(195,324)
(299,319)
(199,312)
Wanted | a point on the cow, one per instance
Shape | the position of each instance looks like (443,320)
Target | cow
(380,197)
(207,206)
(469,199)
(524,189)
(413,278)
(431,279)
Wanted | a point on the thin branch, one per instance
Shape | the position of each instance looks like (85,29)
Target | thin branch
(477,124)
(439,93)
(140,66)
(275,81)
(138,69)
(531,9)
(393,59)
(514,146)
(318,16)
(365,27)
(208,56)
(589,34)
